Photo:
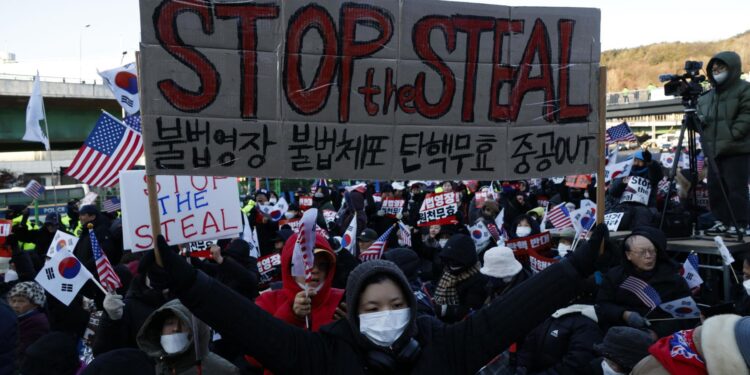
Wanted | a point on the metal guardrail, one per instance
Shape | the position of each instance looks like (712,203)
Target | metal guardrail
(635,96)
(25,77)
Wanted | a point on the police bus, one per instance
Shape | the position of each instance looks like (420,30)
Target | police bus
(15,197)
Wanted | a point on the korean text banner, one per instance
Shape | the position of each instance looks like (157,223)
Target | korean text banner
(191,208)
(379,89)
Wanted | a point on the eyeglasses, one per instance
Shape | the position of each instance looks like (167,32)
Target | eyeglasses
(643,253)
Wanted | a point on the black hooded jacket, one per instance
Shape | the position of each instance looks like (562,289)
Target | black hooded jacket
(339,348)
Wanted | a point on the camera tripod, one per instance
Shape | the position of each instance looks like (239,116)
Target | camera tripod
(691,125)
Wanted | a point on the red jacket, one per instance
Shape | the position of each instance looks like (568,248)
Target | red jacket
(279,302)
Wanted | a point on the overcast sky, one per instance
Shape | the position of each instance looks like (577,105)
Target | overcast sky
(47,34)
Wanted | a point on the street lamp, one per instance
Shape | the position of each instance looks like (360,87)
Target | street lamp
(80,51)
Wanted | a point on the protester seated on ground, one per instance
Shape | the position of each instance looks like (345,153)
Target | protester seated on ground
(121,362)
(503,271)
(720,346)
(645,262)
(523,226)
(563,344)
(426,242)
(562,241)
(377,336)
(233,266)
(55,353)
(27,300)
(366,238)
(536,214)
(178,342)
(621,349)
(461,288)
(408,262)
(124,315)
(293,305)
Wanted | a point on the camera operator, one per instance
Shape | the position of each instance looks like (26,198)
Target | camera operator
(725,111)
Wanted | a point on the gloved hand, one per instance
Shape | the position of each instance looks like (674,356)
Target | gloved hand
(381,213)
(113,305)
(585,256)
(176,275)
(635,319)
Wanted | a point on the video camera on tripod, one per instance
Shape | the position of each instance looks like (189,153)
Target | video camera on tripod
(687,85)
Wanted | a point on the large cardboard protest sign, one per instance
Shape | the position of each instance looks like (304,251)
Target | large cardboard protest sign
(191,208)
(384,89)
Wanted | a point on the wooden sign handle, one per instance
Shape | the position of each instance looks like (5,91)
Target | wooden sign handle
(602,131)
(153,209)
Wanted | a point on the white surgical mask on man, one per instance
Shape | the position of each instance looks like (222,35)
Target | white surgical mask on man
(175,342)
(272,200)
(383,328)
(523,231)
(289,215)
(442,242)
(720,77)
(608,370)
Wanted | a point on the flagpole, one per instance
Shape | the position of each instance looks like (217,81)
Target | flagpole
(600,167)
(49,143)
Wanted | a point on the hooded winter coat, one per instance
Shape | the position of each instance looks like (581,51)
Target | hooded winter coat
(725,110)
(187,360)
(140,302)
(279,302)
(339,348)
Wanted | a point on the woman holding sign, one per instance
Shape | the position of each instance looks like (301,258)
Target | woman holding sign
(382,333)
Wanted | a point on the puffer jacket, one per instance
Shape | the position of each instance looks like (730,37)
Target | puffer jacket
(725,110)
(186,361)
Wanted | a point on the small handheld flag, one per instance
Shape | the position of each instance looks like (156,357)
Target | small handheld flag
(107,276)
(34,189)
(375,251)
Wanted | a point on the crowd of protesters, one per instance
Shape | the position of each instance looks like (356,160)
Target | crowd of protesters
(437,301)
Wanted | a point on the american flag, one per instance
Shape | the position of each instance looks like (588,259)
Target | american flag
(110,148)
(404,235)
(107,276)
(111,204)
(34,189)
(375,251)
(646,293)
(560,217)
(619,133)
(700,161)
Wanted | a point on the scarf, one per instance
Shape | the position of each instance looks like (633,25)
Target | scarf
(445,293)
(678,355)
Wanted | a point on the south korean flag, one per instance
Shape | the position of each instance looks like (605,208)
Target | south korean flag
(63,276)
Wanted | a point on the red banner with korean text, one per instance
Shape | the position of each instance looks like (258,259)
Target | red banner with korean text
(438,209)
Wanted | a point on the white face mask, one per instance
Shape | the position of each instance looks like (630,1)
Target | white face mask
(746,284)
(383,328)
(289,215)
(608,370)
(175,342)
(563,248)
(442,242)
(720,77)
(272,200)
(523,231)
